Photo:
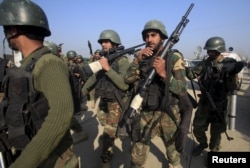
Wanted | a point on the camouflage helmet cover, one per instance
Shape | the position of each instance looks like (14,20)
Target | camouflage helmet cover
(23,13)
(155,25)
(109,35)
(215,43)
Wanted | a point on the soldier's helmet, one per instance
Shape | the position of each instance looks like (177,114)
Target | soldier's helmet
(80,57)
(230,48)
(24,13)
(155,25)
(71,54)
(97,51)
(215,43)
(52,47)
(109,35)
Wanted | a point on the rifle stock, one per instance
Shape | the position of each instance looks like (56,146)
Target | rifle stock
(137,100)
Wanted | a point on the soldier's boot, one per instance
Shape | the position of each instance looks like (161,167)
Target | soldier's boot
(215,140)
(215,148)
(107,152)
(198,150)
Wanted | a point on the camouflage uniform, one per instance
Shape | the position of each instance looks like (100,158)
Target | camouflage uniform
(110,87)
(75,80)
(166,127)
(218,85)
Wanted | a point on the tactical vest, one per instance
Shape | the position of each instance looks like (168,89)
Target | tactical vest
(217,84)
(104,88)
(153,98)
(23,109)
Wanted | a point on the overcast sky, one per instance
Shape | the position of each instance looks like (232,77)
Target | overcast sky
(74,22)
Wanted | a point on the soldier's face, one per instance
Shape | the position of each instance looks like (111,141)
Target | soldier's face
(106,45)
(213,54)
(97,55)
(153,39)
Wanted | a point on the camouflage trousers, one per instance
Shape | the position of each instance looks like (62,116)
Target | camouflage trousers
(205,116)
(109,116)
(165,128)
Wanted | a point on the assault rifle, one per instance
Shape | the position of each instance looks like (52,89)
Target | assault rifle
(132,113)
(111,55)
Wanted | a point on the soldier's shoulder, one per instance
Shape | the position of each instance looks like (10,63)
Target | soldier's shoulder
(177,53)
(123,58)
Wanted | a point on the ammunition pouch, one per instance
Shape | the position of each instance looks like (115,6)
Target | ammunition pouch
(105,90)
(152,98)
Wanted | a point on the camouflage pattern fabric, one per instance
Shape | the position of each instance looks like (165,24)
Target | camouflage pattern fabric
(109,118)
(165,129)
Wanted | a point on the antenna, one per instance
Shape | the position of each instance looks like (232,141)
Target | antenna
(197,52)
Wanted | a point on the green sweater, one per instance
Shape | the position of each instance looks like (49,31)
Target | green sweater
(50,78)
(116,77)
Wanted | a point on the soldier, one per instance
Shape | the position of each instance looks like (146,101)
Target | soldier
(153,117)
(80,61)
(52,47)
(214,77)
(92,99)
(96,56)
(110,87)
(76,85)
(38,98)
